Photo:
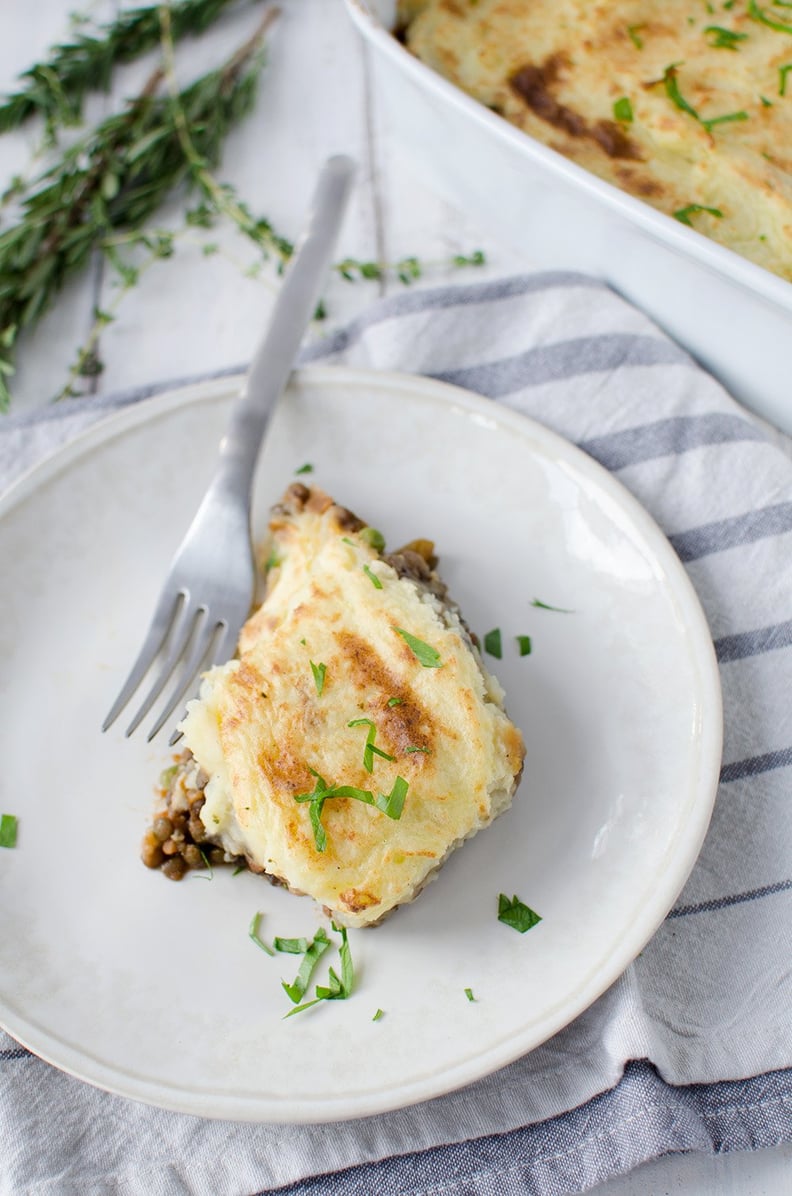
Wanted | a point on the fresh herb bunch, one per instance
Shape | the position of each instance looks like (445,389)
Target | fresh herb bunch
(55,89)
(113,180)
(98,195)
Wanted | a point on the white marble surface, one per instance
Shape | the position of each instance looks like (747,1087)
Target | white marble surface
(192,313)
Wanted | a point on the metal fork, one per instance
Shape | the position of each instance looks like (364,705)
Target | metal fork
(208,592)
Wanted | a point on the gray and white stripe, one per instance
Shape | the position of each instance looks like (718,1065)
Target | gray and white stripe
(563,349)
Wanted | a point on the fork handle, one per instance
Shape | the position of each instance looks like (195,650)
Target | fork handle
(296,302)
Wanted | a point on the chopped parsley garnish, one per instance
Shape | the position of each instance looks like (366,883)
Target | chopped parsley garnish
(370,536)
(340,989)
(477,258)
(783,71)
(307,468)
(380,1013)
(319,673)
(8,830)
(757,14)
(469,994)
(273,560)
(375,581)
(391,803)
(562,610)
(765,102)
(346,540)
(516,914)
(290,946)
(632,33)
(524,644)
(296,990)
(722,120)
(412,749)
(254,934)
(684,214)
(395,701)
(369,751)
(492,643)
(427,656)
(724,39)
(239,868)
(674,94)
(207,865)
(336,989)
(622,110)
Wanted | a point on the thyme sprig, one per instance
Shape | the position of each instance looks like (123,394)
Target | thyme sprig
(56,88)
(113,179)
(99,194)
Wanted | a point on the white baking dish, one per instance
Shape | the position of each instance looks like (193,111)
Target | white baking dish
(732,315)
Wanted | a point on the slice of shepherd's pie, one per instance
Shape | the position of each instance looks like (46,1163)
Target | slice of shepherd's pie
(358,739)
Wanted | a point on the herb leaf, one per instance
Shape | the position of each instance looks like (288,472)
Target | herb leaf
(315,812)
(674,94)
(469,994)
(758,14)
(392,803)
(427,656)
(375,581)
(783,71)
(380,1013)
(684,214)
(632,33)
(8,830)
(291,946)
(563,610)
(524,644)
(395,701)
(724,39)
(722,120)
(319,672)
(297,989)
(622,110)
(516,914)
(253,933)
(336,989)
(369,750)
(347,967)
(476,258)
(492,643)
(307,468)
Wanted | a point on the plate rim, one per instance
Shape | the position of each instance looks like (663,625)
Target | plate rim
(259,1109)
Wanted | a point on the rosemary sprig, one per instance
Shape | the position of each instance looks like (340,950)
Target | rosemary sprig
(114,179)
(56,88)
(99,194)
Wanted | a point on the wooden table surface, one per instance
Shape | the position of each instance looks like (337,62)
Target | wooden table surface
(196,313)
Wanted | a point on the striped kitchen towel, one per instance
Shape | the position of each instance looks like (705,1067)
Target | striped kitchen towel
(692,1048)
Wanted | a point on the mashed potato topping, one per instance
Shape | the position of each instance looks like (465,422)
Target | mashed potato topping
(687,105)
(355,672)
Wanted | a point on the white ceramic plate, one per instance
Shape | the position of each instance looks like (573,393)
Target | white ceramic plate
(153,989)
